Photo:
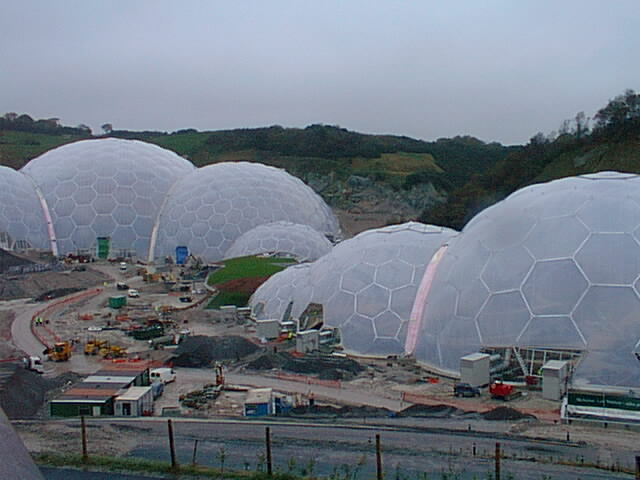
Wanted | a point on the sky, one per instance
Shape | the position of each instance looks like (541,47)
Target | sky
(499,70)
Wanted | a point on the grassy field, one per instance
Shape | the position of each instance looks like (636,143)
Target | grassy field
(17,148)
(248,267)
(229,298)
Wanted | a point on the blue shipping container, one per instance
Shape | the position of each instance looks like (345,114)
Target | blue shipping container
(182,253)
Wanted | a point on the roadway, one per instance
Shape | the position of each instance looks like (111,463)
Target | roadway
(328,448)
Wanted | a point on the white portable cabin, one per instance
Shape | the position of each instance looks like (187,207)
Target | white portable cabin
(134,402)
(475,369)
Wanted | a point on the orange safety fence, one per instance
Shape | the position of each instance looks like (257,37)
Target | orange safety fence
(309,380)
(54,306)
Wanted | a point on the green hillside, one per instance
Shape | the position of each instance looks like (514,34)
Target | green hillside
(613,144)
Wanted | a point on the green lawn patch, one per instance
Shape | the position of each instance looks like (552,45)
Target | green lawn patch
(239,299)
(248,267)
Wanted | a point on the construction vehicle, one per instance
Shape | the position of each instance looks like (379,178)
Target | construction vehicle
(34,364)
(93,346)
(503,391)
(60,352)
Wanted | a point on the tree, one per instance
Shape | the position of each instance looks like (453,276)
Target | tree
(107,128)
(581,125)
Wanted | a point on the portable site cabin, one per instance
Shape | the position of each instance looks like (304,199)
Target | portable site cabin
(78,401)
(139,371)
(135,402)
(259,402)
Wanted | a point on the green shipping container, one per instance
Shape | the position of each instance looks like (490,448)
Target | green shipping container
(118,301)
(103,245)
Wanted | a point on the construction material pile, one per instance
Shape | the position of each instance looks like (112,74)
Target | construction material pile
(507,413)
(23,392)
(202,351)
(327,367)
(431,411)
(8,260)
(200,399)
(340,412)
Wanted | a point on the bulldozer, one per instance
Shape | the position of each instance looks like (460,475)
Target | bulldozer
(93,346)
(60,352)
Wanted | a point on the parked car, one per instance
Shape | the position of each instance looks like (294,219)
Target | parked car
(465,390)
(122,286)
(133,293)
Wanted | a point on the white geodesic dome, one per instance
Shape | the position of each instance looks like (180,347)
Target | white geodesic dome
(554,265)
(367,286)
(209,209)
(272,298)
(298,241)
(105,188)
(22,221)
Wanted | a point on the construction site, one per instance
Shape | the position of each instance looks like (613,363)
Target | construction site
(231,303)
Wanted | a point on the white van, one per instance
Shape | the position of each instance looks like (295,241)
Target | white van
(162,375)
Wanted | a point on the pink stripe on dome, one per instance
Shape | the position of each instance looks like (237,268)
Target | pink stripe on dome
(415,319)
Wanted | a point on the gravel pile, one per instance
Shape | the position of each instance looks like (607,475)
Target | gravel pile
(23,393)
(431,411)
(507,413)
(8,260)
(202,351)
(343,412)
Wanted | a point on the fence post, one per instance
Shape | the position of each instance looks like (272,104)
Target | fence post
(268,444)
(497,460)
(378,458)
(195,451)
(83,428)
(172,447)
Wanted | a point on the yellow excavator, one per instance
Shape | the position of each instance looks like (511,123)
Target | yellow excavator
(93,346)
(60,352)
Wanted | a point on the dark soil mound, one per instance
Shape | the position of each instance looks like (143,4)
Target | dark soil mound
(8,260)
(507,413)
(326,366)
(56,293)
(267,361)
(432,411)
(344,412)
(23,392)
(201,351)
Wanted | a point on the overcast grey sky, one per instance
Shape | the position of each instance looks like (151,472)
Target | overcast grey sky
(498,70)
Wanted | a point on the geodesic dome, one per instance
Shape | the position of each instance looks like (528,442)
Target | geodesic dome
(22,221)
(299,241)
(105,188)
(555,265)
(272,298)
(366,285)
(210,208)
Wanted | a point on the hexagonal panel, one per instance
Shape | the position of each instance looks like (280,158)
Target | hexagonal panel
(387,324)
(557,237)
(498,278)
(551,332)
(554,287)
(608,318)
(502,319)
(357,278)
(394,274)
(357,334)
(372,301)
(610,215)
(610,258)
(506,231)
